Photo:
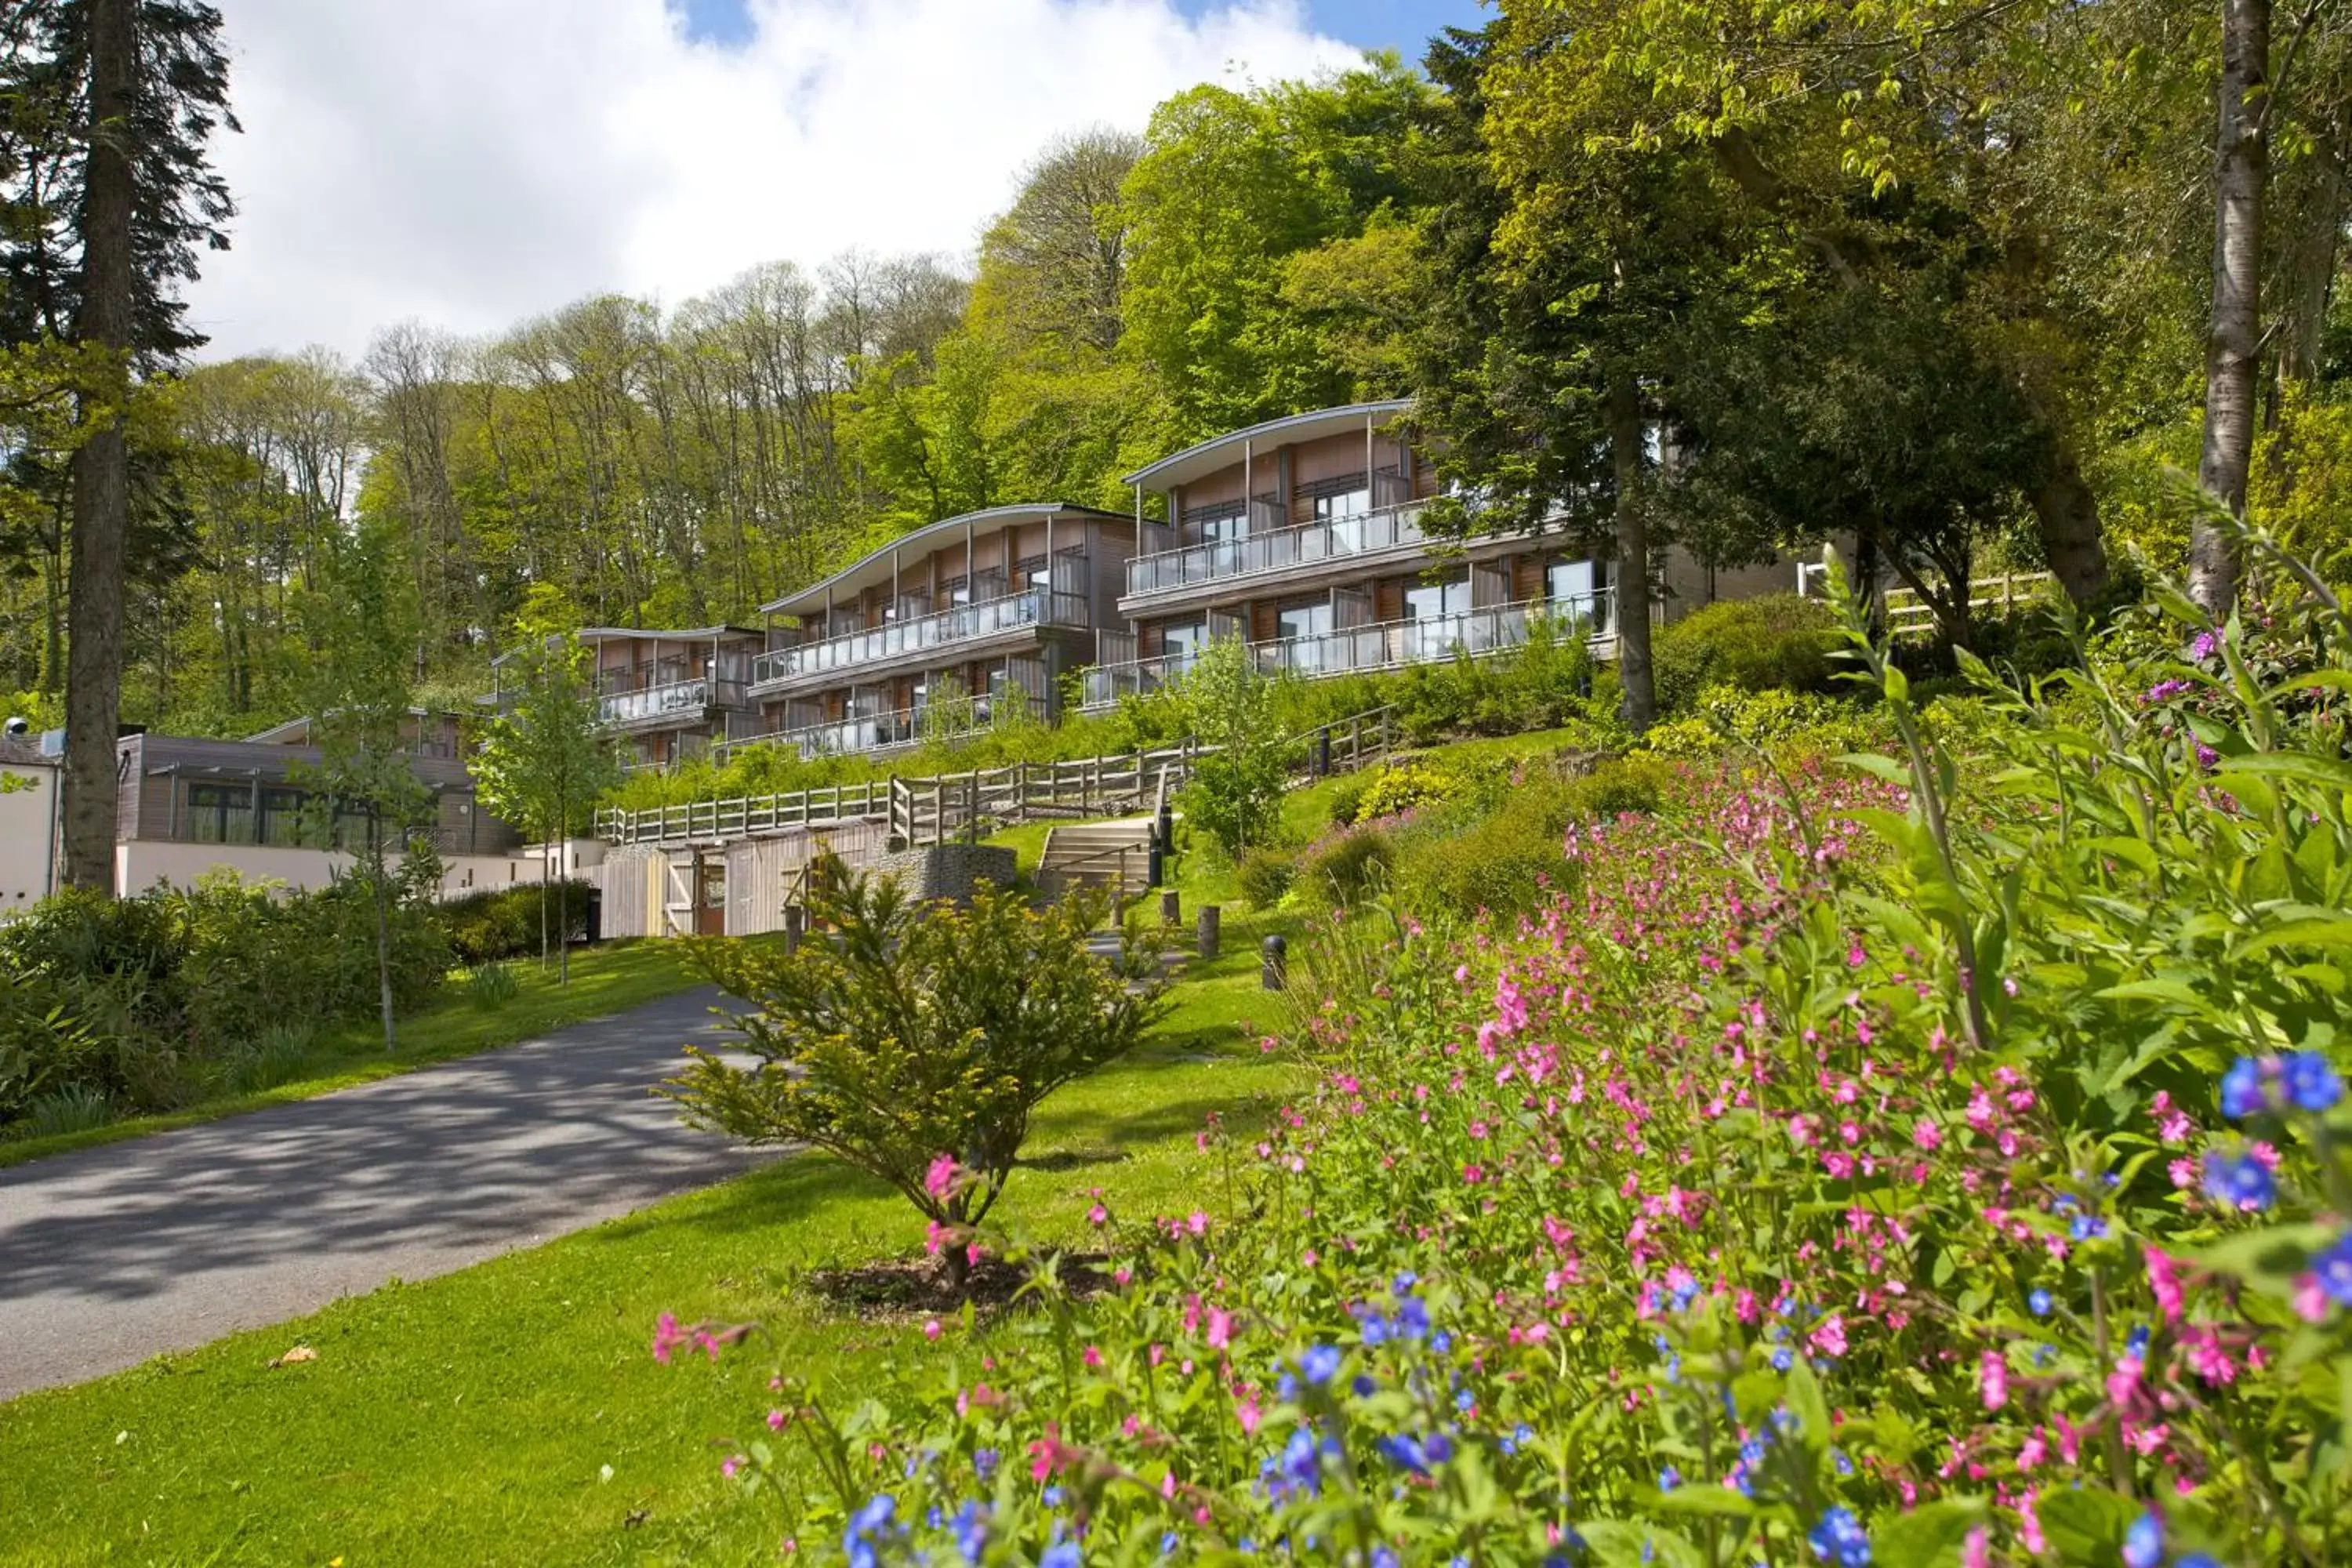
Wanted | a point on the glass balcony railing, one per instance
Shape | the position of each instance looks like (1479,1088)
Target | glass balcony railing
(1390,645)
(688,700)
(1037,607)
(1280,550)
(876,731)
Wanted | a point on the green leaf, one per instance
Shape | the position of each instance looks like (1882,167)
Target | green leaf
(2084,1526)
(1931,1534)
(2299,767)
(1629,1543)
(1805,1401)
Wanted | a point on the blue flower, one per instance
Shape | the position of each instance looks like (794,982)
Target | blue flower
(1669,1478)
(1464,1399)
(1364,1385)
(2333,1265)
(2136,1342)
(1405,1281)
(2087,1227)
(1062,1554)
(1319,1363)
(1168,1544)
(2309,1082)
(2242,1087)
(983,1462)
(2143,1542)
(2197,1560)
(1781,1359)
(972,1530)
(869,1528)
(1407,1452)
(1383,1557)
(2239,1182)
(1839,1538)
(2038,1303)
(1844,1466)
(1411,1317)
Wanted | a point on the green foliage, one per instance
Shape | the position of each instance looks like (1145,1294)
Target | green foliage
(491,986)
(1837,1117)
(1265,875)
(1547,682)
(151,1000)
(1773,720)
(1234,795)
(490,924)
(1750,644)
(1343,869)
(916,1033)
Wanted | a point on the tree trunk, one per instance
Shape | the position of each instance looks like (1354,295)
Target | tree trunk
(2241,165)
(563,911)
(2310,261)
(2069,517)
(384,946)
(1633,555)
(102,464)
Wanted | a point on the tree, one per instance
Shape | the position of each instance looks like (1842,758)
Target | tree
(114,103)
(365,797)
(545,760)
(2233,338)
(1234,795)
(915,1042)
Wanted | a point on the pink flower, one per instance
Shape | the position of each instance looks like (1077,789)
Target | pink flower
(1977,1551)
(1992,1378)
(1099,1215)
(1927,1135)
(2029,1528)
(2124,1381)
(941,1179)
(776,1419)
(2164,1279)
(1472,1175)
(1198,1222)
(2310,1301)
(1829,1338)
(728,1466)
(1221,1328)
(2032,1451)
(930,1327)
(1093,1357)
(667,1336)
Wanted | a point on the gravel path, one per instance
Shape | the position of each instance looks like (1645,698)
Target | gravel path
(111,1255)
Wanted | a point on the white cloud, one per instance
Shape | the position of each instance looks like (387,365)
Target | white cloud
(470,162)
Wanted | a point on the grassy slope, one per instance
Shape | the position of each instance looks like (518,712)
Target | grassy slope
(465,1419)
(606,980)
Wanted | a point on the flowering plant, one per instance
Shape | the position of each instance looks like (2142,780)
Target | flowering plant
(1930,1160)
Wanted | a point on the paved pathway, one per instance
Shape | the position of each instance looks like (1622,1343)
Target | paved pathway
(111,1255)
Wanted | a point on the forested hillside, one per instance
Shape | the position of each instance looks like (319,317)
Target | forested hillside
(1947,287)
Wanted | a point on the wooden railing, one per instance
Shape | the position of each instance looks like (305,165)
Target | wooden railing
(1124,868)
(937,810)
(1909,616)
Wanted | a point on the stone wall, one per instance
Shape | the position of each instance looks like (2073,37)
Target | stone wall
(946,870)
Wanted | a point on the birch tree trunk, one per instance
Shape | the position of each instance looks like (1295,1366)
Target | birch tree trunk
(102,464)
(2232,346)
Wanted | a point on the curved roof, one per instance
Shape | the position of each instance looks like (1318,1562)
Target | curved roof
(875,565)
(1222,451)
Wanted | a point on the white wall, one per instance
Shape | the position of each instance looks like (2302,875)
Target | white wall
(28,843)
(141,863)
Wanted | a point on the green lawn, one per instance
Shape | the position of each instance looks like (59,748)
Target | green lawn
(468,1419)
(604,981)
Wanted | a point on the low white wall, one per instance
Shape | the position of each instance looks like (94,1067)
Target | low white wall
(26,841)
(141,863)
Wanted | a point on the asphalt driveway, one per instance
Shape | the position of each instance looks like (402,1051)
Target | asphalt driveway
(111,1255)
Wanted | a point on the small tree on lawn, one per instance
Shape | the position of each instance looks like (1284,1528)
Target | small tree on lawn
(365,796)
(545,760)
(915,1041)
(1235,792)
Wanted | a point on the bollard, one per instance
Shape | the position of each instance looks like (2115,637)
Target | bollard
(1172,912)
(1272,970)
(1204,933)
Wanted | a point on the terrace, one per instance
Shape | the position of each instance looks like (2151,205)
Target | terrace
(1370,649)
(958,628)
(1362,539)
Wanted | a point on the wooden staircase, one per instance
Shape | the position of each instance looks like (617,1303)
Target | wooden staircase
(1113,855)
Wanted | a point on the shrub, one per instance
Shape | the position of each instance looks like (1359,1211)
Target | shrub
(1941,1164)
(1343,868)
(495,924)
(76,1110)
(1617,785)
(151,1000)
(491,986)
(1264,876)
(1750,644)
(914,1044)
(1234,795)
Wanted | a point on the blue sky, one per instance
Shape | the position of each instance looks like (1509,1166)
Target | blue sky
(1400,25)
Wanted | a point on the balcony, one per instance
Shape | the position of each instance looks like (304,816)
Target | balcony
(687,701)
(1036,606)
(1365,651)
(866,734)
(1278,551)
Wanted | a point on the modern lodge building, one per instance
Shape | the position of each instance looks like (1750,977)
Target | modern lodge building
(1301,536)
(939,629)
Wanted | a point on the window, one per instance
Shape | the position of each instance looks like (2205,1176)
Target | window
(1304,618)
(282,818)
(1182,643)
(1572,586)
(219,814)
(1226,529)
(1431,601)
(1347,503)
